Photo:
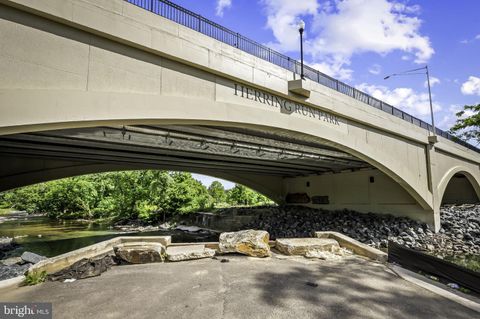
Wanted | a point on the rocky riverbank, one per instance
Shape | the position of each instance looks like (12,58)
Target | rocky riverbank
(460,233)
(16,266)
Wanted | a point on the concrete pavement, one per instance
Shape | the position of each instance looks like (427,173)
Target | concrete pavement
(290,287)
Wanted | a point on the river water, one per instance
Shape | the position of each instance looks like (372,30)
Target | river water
(49,237)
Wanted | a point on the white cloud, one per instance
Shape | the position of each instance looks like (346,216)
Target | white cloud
(221,6)
(406,99)
(370,26)
(343,28)
(467,41)
(282,19)
(375,69)
(433,81)
(334,68)
(471,86)
(450,116)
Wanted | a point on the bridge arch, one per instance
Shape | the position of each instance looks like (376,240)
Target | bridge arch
(93,109)
(269,188)
(459,186)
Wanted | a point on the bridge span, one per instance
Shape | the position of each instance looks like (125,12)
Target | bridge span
(90,86)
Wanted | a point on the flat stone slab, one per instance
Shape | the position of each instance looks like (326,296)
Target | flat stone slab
(180,253)
(306,246)
(140,252)
(354,245)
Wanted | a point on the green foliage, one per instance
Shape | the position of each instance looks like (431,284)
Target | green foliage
(34,278)
(121,196)
(241,195)
(188,195)
(217,192)
(468,124)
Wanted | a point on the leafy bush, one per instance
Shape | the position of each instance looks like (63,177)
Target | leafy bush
(34,278)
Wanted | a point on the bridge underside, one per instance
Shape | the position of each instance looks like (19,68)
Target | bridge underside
(219,151)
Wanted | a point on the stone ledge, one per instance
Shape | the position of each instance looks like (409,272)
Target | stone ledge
(188,252)
(12,282)
(354,245)
(57,263)
(302,246)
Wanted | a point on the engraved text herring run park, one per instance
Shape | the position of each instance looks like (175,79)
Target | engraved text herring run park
(289,106)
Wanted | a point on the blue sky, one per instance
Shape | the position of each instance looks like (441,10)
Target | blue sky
(362,41)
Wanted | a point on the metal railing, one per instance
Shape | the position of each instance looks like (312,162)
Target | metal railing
(192,20)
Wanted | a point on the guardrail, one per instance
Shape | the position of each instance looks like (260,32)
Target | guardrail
(192,20)
(418,261)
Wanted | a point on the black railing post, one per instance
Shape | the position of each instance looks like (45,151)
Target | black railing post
(151,5)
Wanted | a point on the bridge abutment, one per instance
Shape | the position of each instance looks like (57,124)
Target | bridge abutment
(364,191)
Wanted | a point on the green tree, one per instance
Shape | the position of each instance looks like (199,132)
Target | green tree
(187,194)
(468,124)
(217,192)
(241,195)
(122,196)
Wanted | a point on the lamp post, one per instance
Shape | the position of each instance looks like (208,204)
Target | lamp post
(301,28)
(413,72)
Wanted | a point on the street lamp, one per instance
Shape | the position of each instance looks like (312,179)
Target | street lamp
(413,72)
(301,28)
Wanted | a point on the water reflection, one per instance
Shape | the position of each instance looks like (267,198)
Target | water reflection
(49,237)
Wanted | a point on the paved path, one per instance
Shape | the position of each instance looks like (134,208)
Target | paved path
(243,288)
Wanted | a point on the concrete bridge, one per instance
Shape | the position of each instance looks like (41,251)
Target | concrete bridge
(99,85)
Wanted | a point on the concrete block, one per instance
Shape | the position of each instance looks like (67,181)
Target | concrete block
(300,87)
(304,246)
(181,253)
(354,245)
(111,23)
(140,252)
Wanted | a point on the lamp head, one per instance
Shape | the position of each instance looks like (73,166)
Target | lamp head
(387,77)
(301,25)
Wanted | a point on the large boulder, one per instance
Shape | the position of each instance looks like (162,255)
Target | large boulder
(307,247)
(140,252)
(33,258)
(248,242)
(180,253)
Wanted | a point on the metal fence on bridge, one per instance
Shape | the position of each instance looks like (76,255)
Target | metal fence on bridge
(192,20)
